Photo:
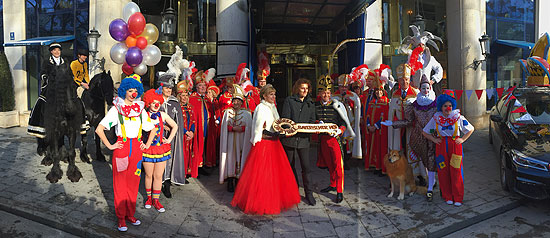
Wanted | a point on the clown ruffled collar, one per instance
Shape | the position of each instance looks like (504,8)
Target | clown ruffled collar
(442,120)
(133,110)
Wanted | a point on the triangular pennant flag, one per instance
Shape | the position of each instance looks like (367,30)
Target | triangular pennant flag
(510,98)
(469,93)
(526,117)
(517,104)
(490,92)
(519,109)
(510,89)
(458,94)
(499,92)
(479,92)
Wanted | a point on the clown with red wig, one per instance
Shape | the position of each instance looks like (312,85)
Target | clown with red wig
(155,157)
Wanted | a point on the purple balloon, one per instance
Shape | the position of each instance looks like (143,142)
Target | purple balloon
(119,29)
(134,56)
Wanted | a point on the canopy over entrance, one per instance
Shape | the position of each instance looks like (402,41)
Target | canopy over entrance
(44,40)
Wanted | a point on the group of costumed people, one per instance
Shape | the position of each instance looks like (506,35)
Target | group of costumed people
(189,125)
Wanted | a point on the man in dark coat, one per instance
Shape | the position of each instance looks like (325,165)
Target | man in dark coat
(301,109)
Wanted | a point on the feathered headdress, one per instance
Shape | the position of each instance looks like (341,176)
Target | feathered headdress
(241,77)
(187,73)
(384,72)
(359,75)
(263,65)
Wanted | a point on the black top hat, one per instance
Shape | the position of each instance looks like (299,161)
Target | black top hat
(82,52)
(55,45)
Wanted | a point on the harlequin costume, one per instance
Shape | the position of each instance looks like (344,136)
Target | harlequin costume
(129,121)
(377,141)
(398,138)
(234,144)
(202,107)
(448,154)
(267,184)
(416,117)
(188,146)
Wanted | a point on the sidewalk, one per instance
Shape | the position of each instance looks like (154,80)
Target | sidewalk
(202,208)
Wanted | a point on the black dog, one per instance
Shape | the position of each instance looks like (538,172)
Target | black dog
(101,92)
(63,116)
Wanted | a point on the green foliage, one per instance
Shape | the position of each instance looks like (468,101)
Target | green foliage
(7,95)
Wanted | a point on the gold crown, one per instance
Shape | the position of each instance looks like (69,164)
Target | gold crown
(324,83)
(404,71)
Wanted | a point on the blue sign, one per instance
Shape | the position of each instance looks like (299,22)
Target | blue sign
(12,35)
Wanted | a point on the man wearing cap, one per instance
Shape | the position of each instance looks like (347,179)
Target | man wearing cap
(36,120)
(80,71)
(174,171)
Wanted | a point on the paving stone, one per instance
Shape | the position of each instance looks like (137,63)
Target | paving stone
(343,217)
(225,234)
(356,230)
(195,228)
(282,224)
(311,215)
(158,229)
(383,231)
(290,234)
(319,229)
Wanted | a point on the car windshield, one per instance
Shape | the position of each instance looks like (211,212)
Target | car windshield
(530,107)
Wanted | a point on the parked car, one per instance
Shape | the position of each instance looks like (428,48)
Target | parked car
(520,132)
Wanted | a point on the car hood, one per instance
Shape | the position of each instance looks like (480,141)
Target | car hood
(532,140)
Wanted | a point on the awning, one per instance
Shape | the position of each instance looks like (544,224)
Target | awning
(45,40)
(516,43)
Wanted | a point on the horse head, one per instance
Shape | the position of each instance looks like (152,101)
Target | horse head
(102,87)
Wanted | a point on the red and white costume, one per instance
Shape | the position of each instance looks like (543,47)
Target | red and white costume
(129,121)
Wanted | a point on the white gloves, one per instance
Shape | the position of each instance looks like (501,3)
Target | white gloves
(337,133)
(217,122)
(387,123)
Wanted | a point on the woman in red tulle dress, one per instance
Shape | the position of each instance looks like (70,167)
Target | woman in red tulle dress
(267,184)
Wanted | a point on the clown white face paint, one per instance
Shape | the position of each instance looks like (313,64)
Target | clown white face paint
(425,88)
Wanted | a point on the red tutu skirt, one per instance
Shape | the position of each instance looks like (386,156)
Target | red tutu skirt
(267,184)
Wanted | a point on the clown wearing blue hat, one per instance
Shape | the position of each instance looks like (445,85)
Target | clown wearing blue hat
(444,130)
(129,117)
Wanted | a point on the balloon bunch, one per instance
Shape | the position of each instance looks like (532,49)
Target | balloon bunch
(135,50)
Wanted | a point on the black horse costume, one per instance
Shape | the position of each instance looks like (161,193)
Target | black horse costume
(63,116)
(100,92)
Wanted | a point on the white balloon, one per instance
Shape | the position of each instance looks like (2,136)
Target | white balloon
(128,10)
(151,55)
(141,69)
(118,53)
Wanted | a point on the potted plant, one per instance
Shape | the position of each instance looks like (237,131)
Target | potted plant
(8,116)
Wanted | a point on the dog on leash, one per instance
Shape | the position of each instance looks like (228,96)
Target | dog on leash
(400,173)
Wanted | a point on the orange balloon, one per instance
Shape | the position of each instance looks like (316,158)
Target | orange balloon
(131,41)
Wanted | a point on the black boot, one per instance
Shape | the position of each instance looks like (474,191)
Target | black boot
(328,189)
(310,199)
(166,189)
(339,197)
(230,185)
(421,181)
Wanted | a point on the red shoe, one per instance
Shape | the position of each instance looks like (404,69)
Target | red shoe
(158,206)
(122,225)
(148,203)
(134,221)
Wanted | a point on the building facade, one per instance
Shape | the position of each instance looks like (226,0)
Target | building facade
(301,37)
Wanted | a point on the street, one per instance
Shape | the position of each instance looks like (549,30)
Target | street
(202,208)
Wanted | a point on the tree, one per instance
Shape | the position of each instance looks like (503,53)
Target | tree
(7,95)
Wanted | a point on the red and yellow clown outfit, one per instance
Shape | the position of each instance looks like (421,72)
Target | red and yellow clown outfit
(129,121)
(448,154)
(158,151)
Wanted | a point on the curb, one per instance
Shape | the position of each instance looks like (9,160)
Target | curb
(91,230)
(474,220)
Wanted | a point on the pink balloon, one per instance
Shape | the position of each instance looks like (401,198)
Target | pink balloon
(127,69)
(136,23)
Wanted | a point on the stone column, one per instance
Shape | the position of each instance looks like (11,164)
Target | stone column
(542,18)
(105,12)
(373,24)
(14,23)
(232,30)
(465,25)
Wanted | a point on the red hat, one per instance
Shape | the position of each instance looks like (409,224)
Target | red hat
(242,73)
(263,65)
